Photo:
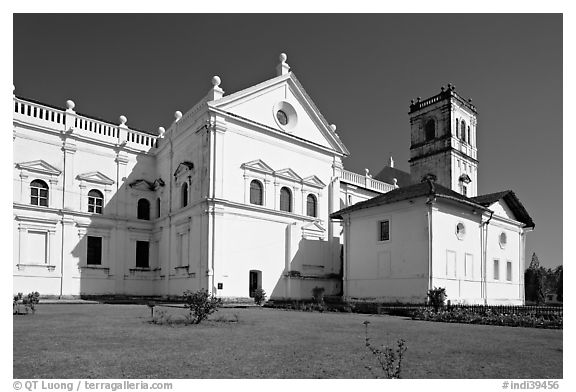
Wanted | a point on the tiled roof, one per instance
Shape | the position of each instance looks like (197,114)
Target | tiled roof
(511,200)
(425,188)
(428,188)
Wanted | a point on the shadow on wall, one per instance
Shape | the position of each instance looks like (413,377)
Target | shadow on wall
(117,251)
(306,271)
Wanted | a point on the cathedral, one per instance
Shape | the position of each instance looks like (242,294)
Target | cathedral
(247,191)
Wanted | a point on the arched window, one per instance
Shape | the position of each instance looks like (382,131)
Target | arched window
(158,207)
(39,193)
(311,205)
(143,209)
(430,130)
(256,193)
(463,130)
(457,135)
(184,195)
(285,199)
(95,201)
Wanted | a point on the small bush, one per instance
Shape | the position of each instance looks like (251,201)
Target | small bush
(389,359)
(29,302)
(200,305)
(318,294)
(259,296)
(161,317)
(437,297)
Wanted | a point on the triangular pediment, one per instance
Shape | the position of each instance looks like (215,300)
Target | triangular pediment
(39,166)
(314,181)
(288,174)
(258,165)
(183,167)
(465,178)
(96,177)
(142,185)
(260,104)
(313,230)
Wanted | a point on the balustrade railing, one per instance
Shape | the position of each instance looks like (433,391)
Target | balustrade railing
(48,116)
(366,182)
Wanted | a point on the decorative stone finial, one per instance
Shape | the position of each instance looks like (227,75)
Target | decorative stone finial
(442,88)
(418,99)
(123,121)
(177,115)
(333,126)
(216,80)
(161,132)
(283,68)
(395,182)
(367,171)
(391,163)
(70,105)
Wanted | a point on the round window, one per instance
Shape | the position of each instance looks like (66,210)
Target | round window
(460,230)
(282,117)
(285,116)
(502,239)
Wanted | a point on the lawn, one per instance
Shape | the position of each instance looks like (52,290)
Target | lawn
(117,341)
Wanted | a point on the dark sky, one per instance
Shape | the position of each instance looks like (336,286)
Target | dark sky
(360,69)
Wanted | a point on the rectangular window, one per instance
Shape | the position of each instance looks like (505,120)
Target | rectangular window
(509,271)
(142,254)
(384,230)
(496,269)
(94,251)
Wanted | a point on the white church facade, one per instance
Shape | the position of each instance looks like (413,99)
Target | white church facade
(237,194)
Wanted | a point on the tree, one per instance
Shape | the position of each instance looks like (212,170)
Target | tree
(558,272)
(534,280)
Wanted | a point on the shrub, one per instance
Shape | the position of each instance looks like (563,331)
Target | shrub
(318,295)
(389,359)
(29,302)
(436,297)
(161,317)
(259,296)
(200,305)
(491,317)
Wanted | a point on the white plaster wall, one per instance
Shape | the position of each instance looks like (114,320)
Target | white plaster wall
(501,290)
(463,284)
(369,276)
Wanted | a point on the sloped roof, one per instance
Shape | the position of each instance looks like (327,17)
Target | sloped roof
(425,188)
(428,188)
(388,174)
(511,200)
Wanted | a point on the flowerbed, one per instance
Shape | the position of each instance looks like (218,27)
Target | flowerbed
(490,317)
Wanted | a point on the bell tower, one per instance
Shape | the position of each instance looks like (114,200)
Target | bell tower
(443,141)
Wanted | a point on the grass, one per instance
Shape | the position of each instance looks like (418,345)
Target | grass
(117,341)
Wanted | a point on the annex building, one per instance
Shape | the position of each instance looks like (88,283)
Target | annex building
(247,191)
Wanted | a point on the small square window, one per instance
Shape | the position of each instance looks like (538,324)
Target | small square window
(384,230)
